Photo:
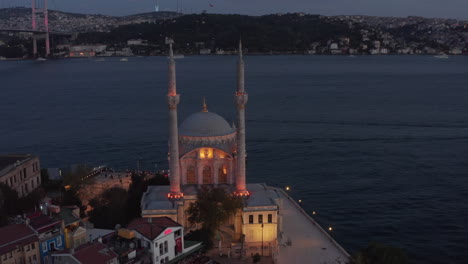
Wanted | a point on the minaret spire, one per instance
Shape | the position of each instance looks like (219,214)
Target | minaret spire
(173,100)
(205,108)
(241,101)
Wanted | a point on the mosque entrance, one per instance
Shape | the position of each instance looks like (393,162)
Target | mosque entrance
(191,178)
(207,175)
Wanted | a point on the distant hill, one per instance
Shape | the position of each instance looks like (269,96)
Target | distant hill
(20,17)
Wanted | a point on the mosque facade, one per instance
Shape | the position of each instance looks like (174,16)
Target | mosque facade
(206,150)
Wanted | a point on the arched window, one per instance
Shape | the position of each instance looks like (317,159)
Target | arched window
(270,218)
(222,174)
(191,179)
(250,219)
(207,175)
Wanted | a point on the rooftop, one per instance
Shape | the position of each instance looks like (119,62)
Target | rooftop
(151,227)
(95,253)
(12,235)
(7,162)
(43,223)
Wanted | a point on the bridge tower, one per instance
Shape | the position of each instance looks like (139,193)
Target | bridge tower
(42,29)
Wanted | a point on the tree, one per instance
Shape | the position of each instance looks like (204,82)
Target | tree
(213,208)
(10,200)
(109,208)
(377,253)
(77,177)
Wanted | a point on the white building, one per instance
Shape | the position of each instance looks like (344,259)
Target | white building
(134,42)
(21,172)
(162,236)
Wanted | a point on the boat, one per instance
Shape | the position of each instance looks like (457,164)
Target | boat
(441,56)
(124,59)
(41,59)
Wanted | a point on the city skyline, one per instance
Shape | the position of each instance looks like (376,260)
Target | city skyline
(398,8)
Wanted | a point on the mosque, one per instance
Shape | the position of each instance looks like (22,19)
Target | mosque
(207,150)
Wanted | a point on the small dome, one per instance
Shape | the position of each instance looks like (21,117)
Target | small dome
(205,124)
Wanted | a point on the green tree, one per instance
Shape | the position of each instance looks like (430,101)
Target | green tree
(377,253)
(213,208)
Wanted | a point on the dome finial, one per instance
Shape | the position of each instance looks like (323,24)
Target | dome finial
(205,108)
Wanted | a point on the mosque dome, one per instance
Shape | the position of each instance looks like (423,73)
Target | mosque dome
(205,124)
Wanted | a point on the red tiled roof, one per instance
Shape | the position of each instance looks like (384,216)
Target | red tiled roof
(13,235)
(152,229)
(95,253)
(42,222)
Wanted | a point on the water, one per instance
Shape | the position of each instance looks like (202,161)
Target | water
(377,146)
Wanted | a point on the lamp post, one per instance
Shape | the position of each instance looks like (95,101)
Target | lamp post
(262,239)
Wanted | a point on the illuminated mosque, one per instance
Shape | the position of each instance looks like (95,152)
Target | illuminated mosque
(207,150)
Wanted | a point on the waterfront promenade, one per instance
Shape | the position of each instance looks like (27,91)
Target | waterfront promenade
(309,242)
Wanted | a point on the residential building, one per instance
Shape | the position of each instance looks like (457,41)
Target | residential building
(74,234)
(163,236)
(18,244)
(50,235)
(21,172)
(90,253)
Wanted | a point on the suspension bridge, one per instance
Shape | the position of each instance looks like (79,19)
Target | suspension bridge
(39,22)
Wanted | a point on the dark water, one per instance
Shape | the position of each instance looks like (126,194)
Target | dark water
(378,146)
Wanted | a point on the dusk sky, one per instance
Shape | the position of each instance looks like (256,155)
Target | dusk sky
(426,8)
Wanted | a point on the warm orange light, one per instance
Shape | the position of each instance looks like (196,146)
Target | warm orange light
(300,201)
(330,229)
(206,153)
(313,212)
(67,187)
(288,188)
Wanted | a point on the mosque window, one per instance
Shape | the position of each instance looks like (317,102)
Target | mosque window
(260,219)
(250,219)
(270,218)
(207,179)
(206,153)
(191,178)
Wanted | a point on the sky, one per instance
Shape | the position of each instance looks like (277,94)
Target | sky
(427,8)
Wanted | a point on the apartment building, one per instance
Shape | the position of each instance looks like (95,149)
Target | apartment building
(21,172)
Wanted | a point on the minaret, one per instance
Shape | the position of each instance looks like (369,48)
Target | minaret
(173,100)
(241,101)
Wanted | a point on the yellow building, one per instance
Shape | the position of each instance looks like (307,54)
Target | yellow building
(18,244)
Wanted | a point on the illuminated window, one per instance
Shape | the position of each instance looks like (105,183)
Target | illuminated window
(222,173)
(270,218)
(206,153)
(260,219)
(250,219)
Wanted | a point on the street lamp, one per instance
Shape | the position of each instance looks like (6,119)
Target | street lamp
(262,239)
(287,188)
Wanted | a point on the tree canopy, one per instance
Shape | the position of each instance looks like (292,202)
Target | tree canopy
(213,208)
(377,253)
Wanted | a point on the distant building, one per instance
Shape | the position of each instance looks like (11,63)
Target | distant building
(21,172)
(50,235)
(86,50)
(205,51)
(91,253)
(18,244)
(135,42)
